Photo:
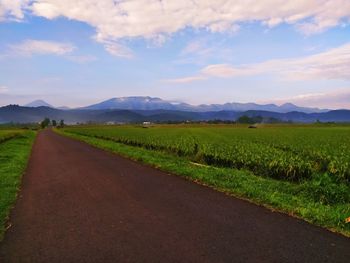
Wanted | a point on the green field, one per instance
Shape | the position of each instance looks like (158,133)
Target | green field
(302,170)
(6,135)
(15,146)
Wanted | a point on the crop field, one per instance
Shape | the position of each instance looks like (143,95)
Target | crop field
(291,153)
(15,146)
(303,170)
(9,134)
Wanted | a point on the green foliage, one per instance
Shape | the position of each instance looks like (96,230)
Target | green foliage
(285,152)
(249,120)
(54,123)
(16,126)
(61,124)
(6,135)
(14,153)
(45,123)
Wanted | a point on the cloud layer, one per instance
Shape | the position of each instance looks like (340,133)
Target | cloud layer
(3,89)
(12,9)
(151,18)
(40,47)
(156,20)
(339,99)
(332,64)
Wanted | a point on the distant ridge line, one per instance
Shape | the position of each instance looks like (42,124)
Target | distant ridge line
(20,114)
(154,103)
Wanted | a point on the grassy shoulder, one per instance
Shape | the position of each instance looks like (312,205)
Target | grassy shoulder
(14,154)
(310,200)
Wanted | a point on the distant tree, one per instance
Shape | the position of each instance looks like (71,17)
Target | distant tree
(250,120)
(45,123)
(54,123)
(61,123)
(245,119)
(218,121)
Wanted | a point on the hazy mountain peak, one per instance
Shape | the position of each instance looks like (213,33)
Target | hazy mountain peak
(288,104)
(133,103)
(38,103)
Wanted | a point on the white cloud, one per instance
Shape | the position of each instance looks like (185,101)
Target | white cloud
(184,80)
(156,20)
(331,64)
(12,9)
(40,47)
(201,50)
(194,47)
(3,89)
(339,99)
(151,18)
(223,26)
(226,70)
(117,49)
(29,47)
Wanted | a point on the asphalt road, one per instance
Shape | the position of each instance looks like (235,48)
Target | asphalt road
(82,204)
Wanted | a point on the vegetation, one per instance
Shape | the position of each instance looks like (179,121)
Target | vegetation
(45,123)
(53,123)
(248,120)
(6,135)
(61,124)
(15,146)
(283,152)
(302,170)
(22,126)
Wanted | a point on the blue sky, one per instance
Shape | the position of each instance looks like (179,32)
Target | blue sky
(80,52)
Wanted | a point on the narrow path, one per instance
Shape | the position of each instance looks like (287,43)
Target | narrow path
(81,204)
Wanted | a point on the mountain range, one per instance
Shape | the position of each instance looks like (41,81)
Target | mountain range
(139,109)
(19,114)
(149,103)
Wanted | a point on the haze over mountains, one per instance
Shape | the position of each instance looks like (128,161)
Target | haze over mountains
(139,109)
(150,103)
(19,114)
(38,103)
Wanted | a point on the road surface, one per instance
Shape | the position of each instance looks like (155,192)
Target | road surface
(82,204)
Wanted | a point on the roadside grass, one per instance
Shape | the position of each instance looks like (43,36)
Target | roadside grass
(6,135)
(305,200)
(14,154)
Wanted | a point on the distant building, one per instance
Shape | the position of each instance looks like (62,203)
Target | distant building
(146,124)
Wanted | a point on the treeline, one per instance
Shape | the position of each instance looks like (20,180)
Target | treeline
(241,120)
(47,122)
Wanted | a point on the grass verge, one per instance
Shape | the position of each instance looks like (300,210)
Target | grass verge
(303,200)
(14,154)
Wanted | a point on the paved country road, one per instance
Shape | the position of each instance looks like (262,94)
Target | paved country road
(82,204)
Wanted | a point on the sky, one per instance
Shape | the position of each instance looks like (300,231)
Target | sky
(76,53)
